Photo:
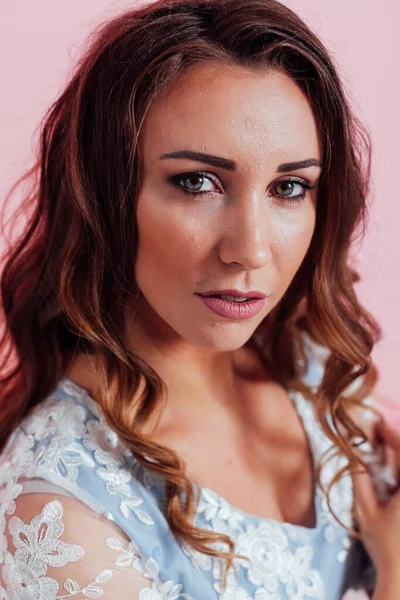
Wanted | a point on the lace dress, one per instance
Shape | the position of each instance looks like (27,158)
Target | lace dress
(80,517)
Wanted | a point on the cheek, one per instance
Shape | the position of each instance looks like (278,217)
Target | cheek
(291,242)
(168,241)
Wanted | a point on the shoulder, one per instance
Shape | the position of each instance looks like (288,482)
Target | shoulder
(317,356)
(51,542)
(67,441)
(47,437)
(91,539)
(64,431)
(364,413)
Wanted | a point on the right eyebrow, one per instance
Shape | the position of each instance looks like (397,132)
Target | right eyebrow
(214,161)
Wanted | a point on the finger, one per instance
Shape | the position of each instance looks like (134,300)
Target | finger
(392,461)
(364,494)
(390,435)
(389,456)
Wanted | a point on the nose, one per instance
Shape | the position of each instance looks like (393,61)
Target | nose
(247,233)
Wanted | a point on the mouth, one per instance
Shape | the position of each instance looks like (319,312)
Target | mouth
(233,308)
(234,295)
(228,298)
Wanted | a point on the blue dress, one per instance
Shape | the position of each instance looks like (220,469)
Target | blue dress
(95,523)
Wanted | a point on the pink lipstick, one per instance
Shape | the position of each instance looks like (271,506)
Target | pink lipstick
(232,309)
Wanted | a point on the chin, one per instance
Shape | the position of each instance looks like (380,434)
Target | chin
(224,339)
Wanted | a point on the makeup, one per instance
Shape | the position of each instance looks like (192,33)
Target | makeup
(233,310)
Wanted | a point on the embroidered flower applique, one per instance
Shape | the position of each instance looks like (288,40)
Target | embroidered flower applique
(37,547)
(130,556)
(100,439)
(47,447)
(217,511)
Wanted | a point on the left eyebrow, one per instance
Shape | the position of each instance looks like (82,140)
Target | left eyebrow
(230,165)
(301,164)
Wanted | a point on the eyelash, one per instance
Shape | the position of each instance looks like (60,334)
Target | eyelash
(298,198)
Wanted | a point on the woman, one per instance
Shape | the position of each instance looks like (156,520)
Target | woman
(194,365)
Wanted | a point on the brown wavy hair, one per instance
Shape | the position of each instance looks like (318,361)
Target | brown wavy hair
(62,289)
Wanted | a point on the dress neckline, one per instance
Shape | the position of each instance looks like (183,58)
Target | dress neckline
(299,402)
(297,398)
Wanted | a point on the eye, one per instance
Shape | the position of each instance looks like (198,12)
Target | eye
(193,182)
(191,185)
(289,185)
(287,188)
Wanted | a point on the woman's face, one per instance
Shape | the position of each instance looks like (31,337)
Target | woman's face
(240,225)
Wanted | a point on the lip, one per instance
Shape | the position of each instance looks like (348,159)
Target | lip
(233,310)
(235,293)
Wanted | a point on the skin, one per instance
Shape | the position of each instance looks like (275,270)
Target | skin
(235,427)
(244,234)
(379,523)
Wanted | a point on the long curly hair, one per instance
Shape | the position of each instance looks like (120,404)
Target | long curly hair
(62,289)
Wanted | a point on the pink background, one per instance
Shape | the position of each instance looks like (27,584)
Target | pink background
(39,42)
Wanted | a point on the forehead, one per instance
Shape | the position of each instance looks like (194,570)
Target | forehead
(233,111)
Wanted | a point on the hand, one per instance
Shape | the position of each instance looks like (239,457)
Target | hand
(379,521)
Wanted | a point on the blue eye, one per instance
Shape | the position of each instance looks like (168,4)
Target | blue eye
(197,179)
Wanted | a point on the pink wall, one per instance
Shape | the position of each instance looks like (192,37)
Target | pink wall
(361,35)
(40,40)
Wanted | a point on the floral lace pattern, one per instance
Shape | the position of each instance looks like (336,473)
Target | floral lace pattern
(67,441)
(59,422)
(271,563)
(37,547)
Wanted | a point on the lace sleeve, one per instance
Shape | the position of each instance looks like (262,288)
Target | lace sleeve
(56,547)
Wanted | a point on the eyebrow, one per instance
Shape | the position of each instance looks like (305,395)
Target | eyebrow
(230,165)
